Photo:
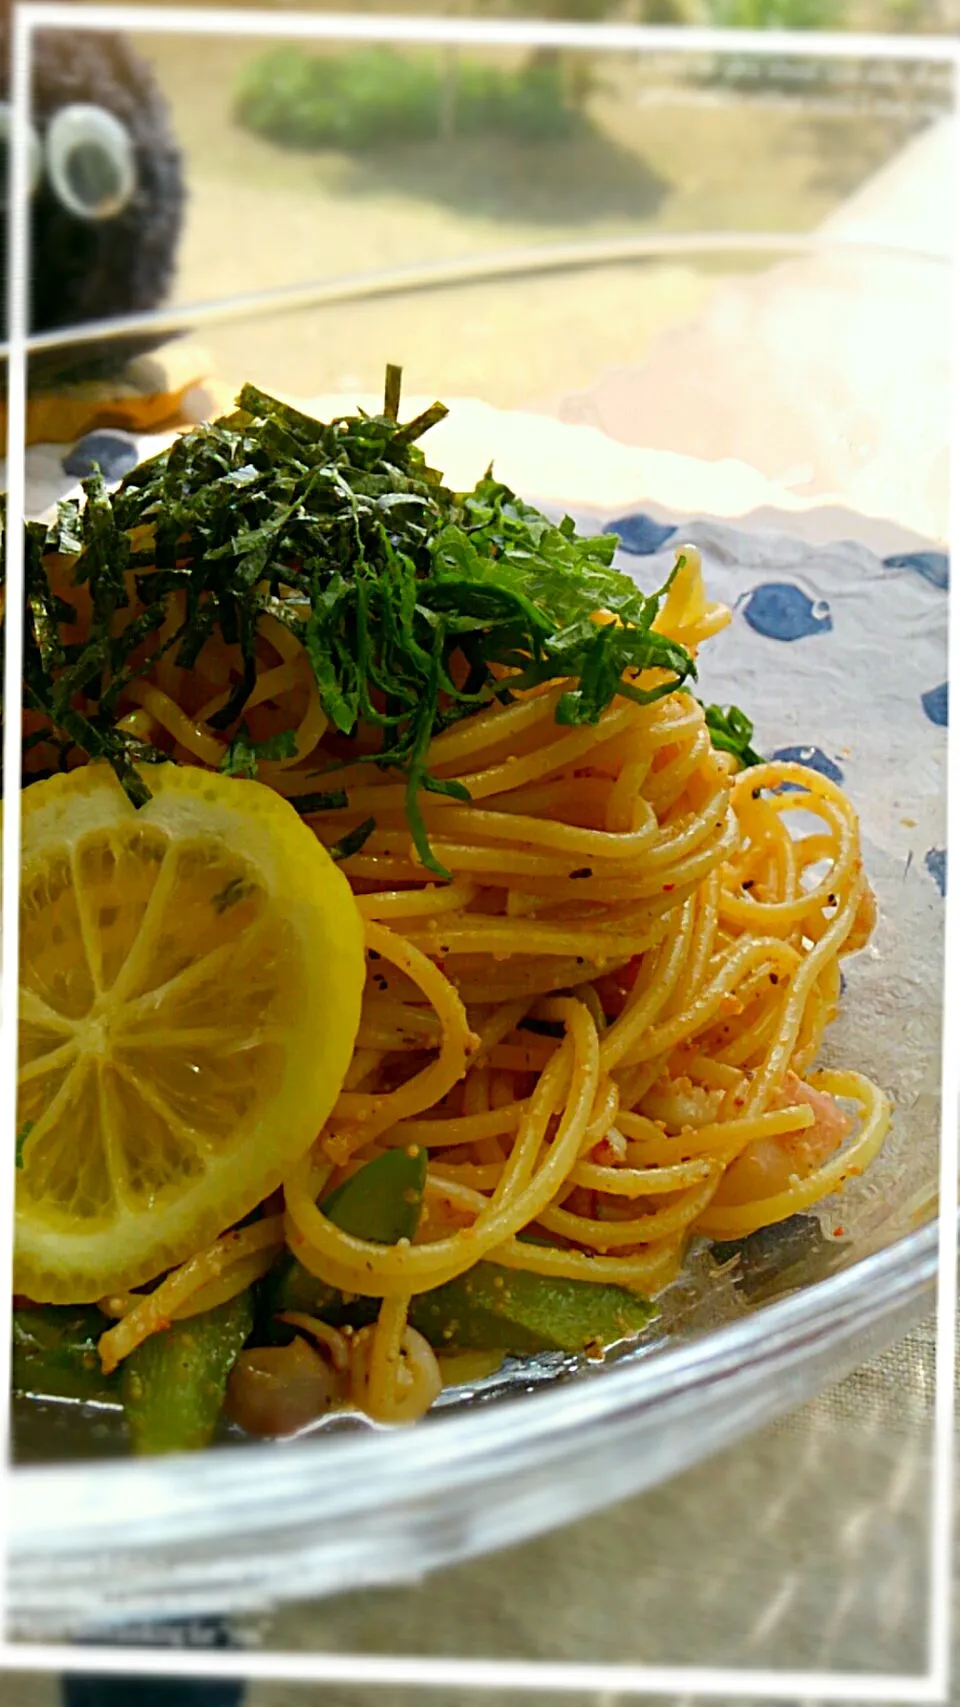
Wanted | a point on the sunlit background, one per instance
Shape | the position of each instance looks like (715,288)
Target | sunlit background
(309,162)
(366,173)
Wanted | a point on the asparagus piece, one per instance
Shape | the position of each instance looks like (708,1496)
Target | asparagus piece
(490,1308)
(173,1385)
(380,1202)
(55,1353)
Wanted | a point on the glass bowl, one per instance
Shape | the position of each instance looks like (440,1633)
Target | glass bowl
(102,1544)
(106,1549)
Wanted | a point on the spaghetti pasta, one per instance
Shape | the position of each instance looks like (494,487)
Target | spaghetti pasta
(700,939)
(605,1009)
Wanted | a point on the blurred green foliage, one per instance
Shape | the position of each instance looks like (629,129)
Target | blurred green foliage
(374,97)
(776,14)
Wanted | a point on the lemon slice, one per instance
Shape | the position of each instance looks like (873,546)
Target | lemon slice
(190,984)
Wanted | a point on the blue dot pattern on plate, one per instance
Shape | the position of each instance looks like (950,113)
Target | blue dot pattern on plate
(935,703)
(113,453)
(814,759)
(935,860)
(639,534)
(781,611)
(933,566)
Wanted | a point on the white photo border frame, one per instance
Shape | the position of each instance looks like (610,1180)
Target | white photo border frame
(699,1681)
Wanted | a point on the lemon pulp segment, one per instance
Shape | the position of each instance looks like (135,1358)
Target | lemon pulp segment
(190,984)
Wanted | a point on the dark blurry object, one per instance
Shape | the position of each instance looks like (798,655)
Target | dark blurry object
(117,1691)
(114,1690)
(114,453)
(108,196)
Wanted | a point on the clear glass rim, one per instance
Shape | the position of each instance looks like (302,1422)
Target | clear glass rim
(104,1543)
(480,267)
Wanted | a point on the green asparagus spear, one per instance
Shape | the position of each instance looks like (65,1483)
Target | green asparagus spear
(488,1308)
(491,1308)
(380,1202)
(173,1385)
(55,1353)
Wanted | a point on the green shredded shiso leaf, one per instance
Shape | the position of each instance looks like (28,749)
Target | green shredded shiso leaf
(398,589)
(243,756)
(731,731)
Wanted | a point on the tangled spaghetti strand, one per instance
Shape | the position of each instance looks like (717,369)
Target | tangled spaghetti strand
(600,1030)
